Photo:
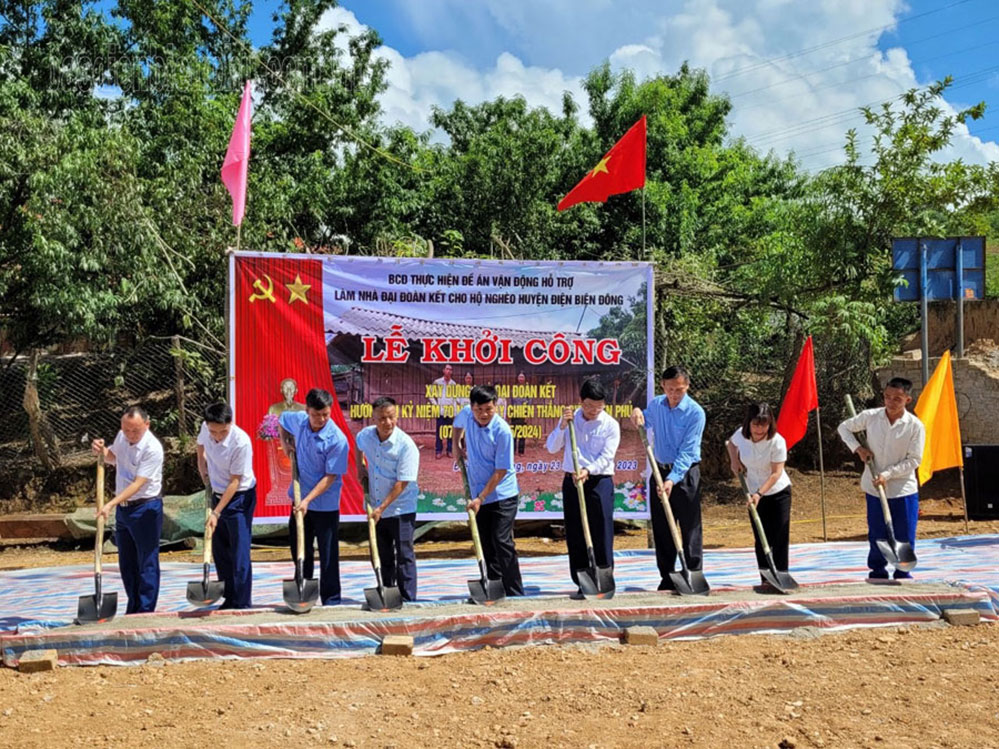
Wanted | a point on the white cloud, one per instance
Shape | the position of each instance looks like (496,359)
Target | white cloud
(416,84)
(781,100)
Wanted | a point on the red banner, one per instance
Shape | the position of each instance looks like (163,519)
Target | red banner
(280,354)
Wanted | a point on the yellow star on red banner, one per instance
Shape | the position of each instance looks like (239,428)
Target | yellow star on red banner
(298,290)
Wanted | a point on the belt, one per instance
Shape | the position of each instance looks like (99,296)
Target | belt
(593,475)
(136,502)
(669,466)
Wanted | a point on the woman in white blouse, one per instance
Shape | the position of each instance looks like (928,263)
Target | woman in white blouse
(757,450)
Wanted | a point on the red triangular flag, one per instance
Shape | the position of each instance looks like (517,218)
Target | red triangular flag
(622,169)
(802,396)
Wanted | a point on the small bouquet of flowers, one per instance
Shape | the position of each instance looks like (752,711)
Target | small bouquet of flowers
(268,429)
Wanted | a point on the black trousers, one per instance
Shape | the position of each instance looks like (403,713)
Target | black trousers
(775,514)
(685,501)
(495,521)
(323,527)
(394,537)
(599,494)
(519,443)
(439,441)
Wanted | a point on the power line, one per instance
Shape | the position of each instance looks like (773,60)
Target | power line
(820,123)
(834,42)
(867,57)
(321,112)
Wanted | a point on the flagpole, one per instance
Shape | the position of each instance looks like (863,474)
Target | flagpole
(964,501)
(643,221)
(822,474)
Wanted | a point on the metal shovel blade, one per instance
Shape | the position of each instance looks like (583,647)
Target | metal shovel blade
(486,593)
(383,599)
(602,586)
(781,581)
(300,597)
(901,556)
(205,592)
(97,609)
(690,583)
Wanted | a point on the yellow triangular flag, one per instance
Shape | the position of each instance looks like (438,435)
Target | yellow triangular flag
(937,409)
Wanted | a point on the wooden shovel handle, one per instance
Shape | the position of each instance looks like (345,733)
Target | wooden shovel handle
(472,522)
(296,493)
(671,522)
(209,495)
(99,535)
(754,514)
(579,486)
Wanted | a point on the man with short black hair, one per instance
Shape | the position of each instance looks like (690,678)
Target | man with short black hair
(446,400)
(138,458)
(321,450)
(896,438)
(225,461)
(393,462)
(488,442)
(676,423)
(597,436)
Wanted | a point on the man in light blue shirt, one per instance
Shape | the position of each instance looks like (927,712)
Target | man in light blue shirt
(488,443)
(321,451)
(676,423)
(393,462)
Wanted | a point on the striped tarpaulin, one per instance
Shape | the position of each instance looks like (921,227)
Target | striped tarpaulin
(35,606)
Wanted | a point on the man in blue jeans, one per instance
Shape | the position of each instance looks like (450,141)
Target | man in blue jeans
(225,460)
(138,459)
(488,443)
(321,450)
(896,438)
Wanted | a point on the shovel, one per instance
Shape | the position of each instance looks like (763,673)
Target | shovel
(207,591)
(899,554)
(300,594)
(782,581)
(483,591)
(100,607)
(381,597)
(594,582)
(687,582)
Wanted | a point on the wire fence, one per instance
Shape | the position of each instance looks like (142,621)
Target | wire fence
(81,396)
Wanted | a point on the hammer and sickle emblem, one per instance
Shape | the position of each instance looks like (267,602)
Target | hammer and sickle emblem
(263,292)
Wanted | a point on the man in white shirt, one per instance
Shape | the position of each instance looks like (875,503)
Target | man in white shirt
(896,438)
(597,438)
(225,459)
(446,400)
(138,458)
(392,469)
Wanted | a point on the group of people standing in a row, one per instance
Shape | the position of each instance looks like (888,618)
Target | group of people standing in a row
(485,441)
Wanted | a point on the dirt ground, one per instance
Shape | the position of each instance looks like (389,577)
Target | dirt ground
(930,686)
(934,686)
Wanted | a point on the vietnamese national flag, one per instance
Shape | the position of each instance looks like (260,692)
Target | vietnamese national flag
(622,169)
(937,409)
(802,397)
(237,157)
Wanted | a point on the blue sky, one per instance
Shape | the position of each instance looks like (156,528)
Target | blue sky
(795,69)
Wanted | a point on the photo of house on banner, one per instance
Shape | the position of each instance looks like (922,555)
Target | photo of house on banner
(426,331)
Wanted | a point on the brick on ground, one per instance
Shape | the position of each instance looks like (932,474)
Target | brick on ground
(640,636)
(397,645)
(37,660)
(961,617)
